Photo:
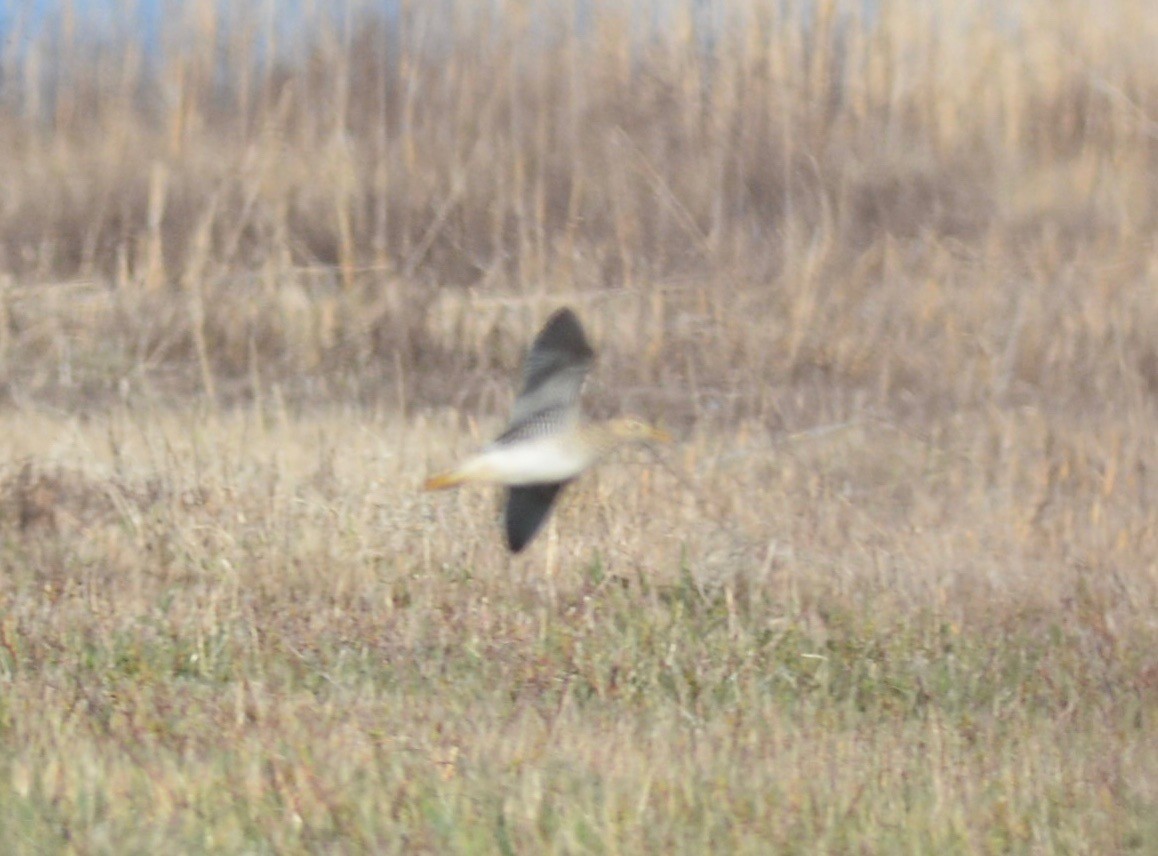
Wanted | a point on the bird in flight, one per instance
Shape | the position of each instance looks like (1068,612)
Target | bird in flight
(547,443)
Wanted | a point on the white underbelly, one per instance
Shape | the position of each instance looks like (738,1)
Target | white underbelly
(540,461)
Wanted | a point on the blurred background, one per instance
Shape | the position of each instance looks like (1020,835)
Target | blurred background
(908,206)
(886,268)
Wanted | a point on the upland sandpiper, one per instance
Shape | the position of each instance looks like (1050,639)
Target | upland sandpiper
(547,443)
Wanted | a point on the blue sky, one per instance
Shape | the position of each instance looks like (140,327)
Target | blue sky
(107,18)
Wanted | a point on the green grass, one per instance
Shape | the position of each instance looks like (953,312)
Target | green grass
(668,732)
(201,682)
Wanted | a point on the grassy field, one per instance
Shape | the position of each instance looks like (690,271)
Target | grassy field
(892,284)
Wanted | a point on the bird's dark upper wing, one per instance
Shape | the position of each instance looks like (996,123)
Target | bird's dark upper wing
(535,425)
(554,369)
(527,508)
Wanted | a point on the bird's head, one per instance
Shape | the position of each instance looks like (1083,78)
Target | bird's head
(632,430)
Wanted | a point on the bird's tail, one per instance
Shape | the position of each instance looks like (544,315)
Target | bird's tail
(443,481)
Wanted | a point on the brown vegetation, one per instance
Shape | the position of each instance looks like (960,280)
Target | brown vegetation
(892,282)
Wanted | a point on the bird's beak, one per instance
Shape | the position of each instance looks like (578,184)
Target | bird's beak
(658,435)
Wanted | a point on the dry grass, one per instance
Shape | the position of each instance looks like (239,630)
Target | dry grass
(894,286)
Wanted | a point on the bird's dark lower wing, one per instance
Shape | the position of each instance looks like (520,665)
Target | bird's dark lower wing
(527,508)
